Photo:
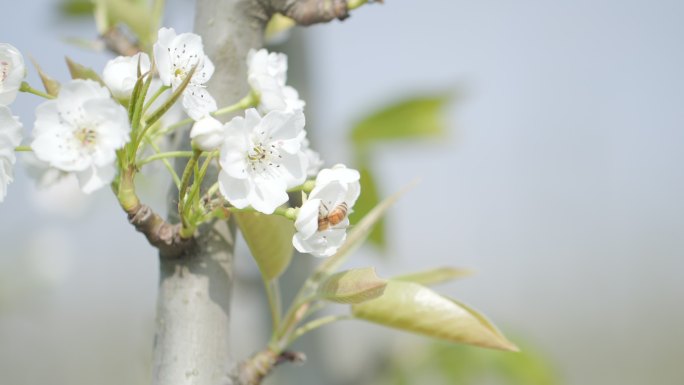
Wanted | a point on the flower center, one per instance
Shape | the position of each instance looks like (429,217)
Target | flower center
(263,158)
(179,73)
(86,136)
(183,60)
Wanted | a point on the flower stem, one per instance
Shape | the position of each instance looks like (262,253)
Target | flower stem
(306,187)
(248,101)
(23,149)
(170,154)
(25,87)
(167,164)
(287,212)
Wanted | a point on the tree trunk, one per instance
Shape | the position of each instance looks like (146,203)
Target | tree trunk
(192,345)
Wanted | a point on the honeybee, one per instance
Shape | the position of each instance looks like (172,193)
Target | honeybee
(329,218)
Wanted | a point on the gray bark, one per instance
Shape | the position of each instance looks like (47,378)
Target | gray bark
(192,345)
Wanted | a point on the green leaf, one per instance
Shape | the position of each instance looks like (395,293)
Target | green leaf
(79,71)
(369,198)
(269,238)
(358,234)
(409,119)
(411,307)
(51,85)
(434,276)
(352,286)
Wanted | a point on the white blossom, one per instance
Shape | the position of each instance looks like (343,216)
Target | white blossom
(80,132)
(121,74)
(12,73)
(261,158)
(175,56)
(10,137)
(323,219)
(314,158)
(208,133)
(267,75)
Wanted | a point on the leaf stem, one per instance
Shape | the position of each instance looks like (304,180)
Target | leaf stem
(273,294)
(315,324)
(23,149)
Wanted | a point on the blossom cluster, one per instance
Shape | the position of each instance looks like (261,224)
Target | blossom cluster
(86,128)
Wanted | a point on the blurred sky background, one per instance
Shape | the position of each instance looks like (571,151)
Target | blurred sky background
(560,182)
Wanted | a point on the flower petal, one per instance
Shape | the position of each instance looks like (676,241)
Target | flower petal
(197,102)
(267,195)
(235,190)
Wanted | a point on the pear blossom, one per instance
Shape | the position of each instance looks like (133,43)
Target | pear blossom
(121,74)
(10,137)
(314,159)
(80,132)
(334,195)
(175,56)
(208,133)
(267,75)
(12,73)
(261,158)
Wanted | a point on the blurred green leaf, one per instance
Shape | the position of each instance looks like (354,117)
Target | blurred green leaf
(51,85)
(77,7)
(352,286)
(412,307)
(137,15)
(460,365)
(434,276)
(79,71)
(369,198)
(269,238)
(409,119)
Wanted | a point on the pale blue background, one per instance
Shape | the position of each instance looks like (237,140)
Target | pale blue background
(561,182)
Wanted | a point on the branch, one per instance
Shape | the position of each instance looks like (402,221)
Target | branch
(119,43)
(308,12)
(161,234)
(260,365)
